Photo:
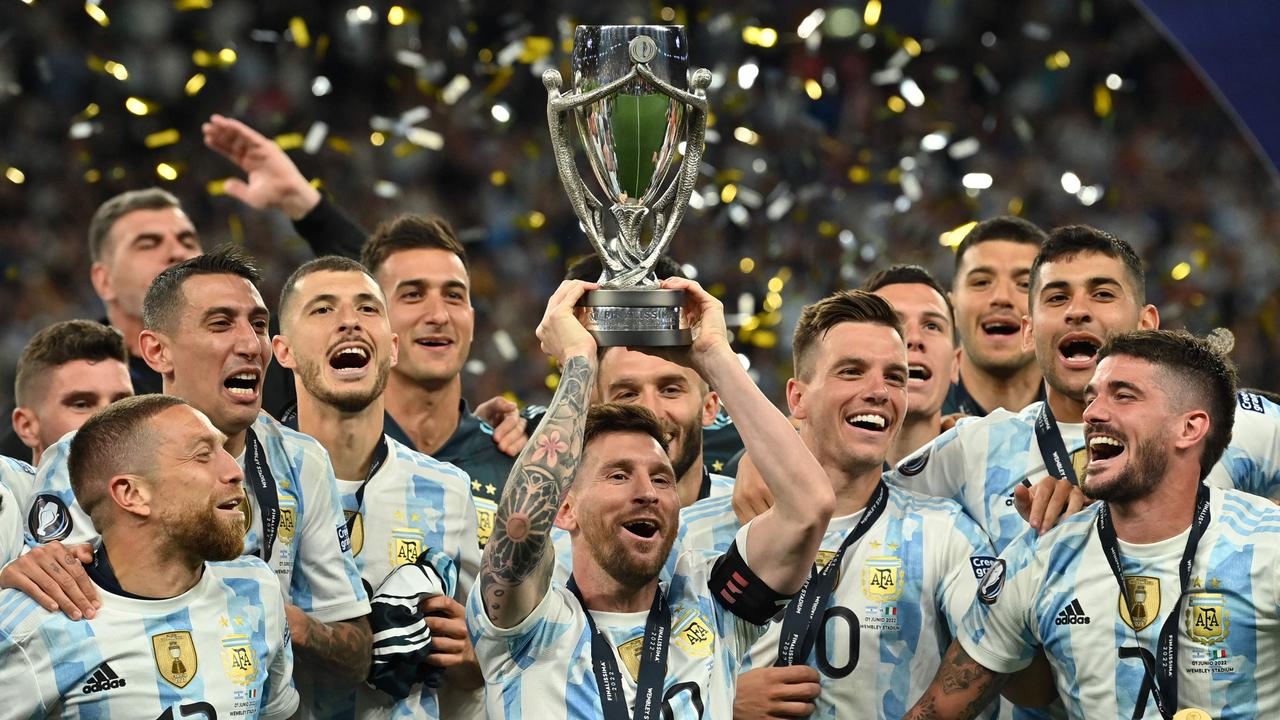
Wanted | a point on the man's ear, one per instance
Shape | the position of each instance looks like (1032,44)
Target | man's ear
(1192,429)
(154,348)
(1028,334)
(1148,318)
(566,516)
(710,407)
(27,427)
(283,352)
(955,366)
(796,390)
(395,349)
(101,280)
(131,494)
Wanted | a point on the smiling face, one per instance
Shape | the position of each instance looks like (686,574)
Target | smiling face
(931,355)
(852,405)
(1130,429)
(990,298)
(623,506)
(196,488)
(218,352)
(430,310)
(139,246)
(338,339)
(1079,302)
(674,393)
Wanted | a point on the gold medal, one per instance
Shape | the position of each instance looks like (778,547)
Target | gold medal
(1192,714)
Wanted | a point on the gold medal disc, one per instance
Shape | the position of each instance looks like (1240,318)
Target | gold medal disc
(1192,714)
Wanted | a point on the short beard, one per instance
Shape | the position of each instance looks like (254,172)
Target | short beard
(205,536)
(1138,477)
(350,402)
(690,447)
(613,559)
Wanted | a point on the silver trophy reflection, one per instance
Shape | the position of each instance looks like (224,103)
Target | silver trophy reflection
(633,111)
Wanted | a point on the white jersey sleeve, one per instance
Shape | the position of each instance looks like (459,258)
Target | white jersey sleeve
(19,477)
(51,512)
(1000,628)
(313,547)
(282,697)
(1251,462)
(11,542)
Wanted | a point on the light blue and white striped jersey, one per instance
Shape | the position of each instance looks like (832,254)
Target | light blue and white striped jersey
(19,477)
(412,504)
(541,668)
(311,556)
(221,650)
(719,486)
(899,594)
(980,461)
(11,472)
(1059,594)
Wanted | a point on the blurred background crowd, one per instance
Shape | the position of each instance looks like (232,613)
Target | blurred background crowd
(846,136)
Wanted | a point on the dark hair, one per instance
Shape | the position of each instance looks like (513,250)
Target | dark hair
(61,343)
(117,439)
(912,275)
(163,303)
(328,263)
(410,232)
(1067,242)
(589,268)
(1004,227)
(105,217)
(1203,376)
(858,306)
(604,418)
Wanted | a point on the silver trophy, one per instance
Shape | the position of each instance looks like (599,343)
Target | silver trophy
(633,111)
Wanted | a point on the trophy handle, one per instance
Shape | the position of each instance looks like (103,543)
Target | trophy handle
(584,203)
(678,193)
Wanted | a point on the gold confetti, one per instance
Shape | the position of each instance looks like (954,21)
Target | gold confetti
(97,13)
(1101,101)
(162,138)
(813,89)
(195,84)
(298,28)
(167,171)
(728,193)
(138,106)
(15,176)
(871,15)
(746,264)
(290,141)
(1180,271)
(187,5)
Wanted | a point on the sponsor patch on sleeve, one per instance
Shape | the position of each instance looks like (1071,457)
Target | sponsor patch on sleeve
(992,583)
(914,464)
(344,538)
(1250,401)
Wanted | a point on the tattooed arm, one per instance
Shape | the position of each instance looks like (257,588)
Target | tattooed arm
(343,648)
(961,689)
(516,570)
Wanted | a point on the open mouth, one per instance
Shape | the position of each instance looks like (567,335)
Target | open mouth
(1079,350)
(646,529)
(244,384)
(918,373)
(349,358)
(435,341)
(1104,447)
(1001,327)
(868,421)
(232,504)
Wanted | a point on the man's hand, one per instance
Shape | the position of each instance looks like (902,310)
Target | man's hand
(751,497)
(949,421)
(451,646)
(561,332)
(510,431)
(274,182)
(776,692)
(53,575)
(1048,502)
(706,320)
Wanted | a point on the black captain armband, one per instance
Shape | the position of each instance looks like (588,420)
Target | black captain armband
(741,591)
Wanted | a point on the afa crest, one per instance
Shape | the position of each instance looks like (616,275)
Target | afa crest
(1208,620)
(694,635)
(882,579)
(175,654)
(406,546)
(1144,601)
(239,660)
(288,519)
(485,512)
(355,521)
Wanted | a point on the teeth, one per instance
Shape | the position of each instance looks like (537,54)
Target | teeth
(354,351)
(1104,440)
(873,419)
(241,391)
(246,376)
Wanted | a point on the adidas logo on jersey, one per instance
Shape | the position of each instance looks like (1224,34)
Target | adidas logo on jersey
(103,679)
(1072,614)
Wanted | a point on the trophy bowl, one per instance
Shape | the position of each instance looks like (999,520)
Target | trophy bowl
(632,106)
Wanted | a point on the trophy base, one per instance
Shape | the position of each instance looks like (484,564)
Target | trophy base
(644,317)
